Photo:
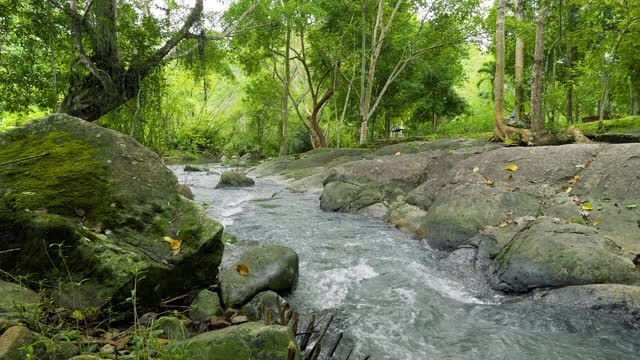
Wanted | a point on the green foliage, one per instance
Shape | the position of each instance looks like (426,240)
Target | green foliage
(617,125)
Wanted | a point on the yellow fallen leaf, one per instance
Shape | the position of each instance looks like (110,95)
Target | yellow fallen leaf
(596,223)
(532,152)
(398,153)
(568,189)
(503,224)
(587,207)
(175,244)
(511,167)
(242,269)
(476,169)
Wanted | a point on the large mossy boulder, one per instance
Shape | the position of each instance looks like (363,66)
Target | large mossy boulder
(547,254)
(247,341)
(96,203)
(205,305)
(269,267)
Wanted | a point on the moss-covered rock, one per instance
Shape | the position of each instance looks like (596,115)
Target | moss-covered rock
(271,301)
(234,179)
(91,207)
(246,341)
(205,305)
(271,267)
(14,343)
(173,328)
(15,299)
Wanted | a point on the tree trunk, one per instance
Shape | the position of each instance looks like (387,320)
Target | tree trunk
(363,69)
(519,67)
(284,143)
(537,117)
(635,98)
(499,77)
(568,59)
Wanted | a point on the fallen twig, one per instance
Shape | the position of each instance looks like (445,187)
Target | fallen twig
(10,250)
(24,159)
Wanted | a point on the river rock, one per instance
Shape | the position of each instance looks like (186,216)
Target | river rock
(548,254)
(619,300)
(247,341)
(195,168)
(272,303)
(173,328)
(15,298)
(271,267)
(205,305)
(185,190)
(15,339)
(96,202)
(234,179)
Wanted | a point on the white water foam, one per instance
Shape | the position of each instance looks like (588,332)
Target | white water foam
(334,284)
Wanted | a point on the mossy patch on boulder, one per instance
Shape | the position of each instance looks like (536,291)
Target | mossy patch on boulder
(88,208)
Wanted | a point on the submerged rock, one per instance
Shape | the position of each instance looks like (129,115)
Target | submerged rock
(619,300)
(247,341)
(234,179)
(270,267)
(77,196)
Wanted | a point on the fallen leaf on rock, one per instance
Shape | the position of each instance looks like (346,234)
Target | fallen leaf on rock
(476,169)
(524,219)
(632,206)
(511,167)
(574,180)
(587,207)
(568,190)
(581,166)
(532,152)
(398,153)
(509,212)
(503,224)
(596,223)
(488,182)
(174,244)
(242,269)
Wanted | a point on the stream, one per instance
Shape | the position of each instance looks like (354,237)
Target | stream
(393,297)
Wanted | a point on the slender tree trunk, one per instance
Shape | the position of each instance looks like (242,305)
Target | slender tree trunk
(635,98)
(519,66)
(537,117)
(284,132)
(499,130)
(568,59)
(363,68)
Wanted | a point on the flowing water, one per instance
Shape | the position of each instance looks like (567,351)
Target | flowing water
(394,299)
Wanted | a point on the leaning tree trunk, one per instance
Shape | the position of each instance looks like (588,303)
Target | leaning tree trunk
(499,77)
(284,144)
(519,66)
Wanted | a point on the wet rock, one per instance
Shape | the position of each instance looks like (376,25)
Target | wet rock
(82,176)
(407,217)
(173,328)
(271,267)
(185,191)
(551,254)
(205,305)
(218,323)
(239,319)
(195,168)
(234,179)
(270,301)
(14,299)
(14,341)
(246,341)
(619,300)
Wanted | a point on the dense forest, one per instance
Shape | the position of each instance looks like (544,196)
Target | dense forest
(276,77)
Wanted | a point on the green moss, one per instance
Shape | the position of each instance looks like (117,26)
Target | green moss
(64,176)
(617,125)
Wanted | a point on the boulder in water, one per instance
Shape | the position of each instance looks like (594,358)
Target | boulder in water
(269,267)
(271,301)
(195,168)
(76,196)
(234,179)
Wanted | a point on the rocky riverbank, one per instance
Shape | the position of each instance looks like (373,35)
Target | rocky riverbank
(102,257)
(557,225)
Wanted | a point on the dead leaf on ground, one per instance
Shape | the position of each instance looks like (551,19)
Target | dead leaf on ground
(511,167)
(503,224)
(398,153)
(587,207)
(242,269)
(476,169)
(574,180)
(488,182)
(509,212)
